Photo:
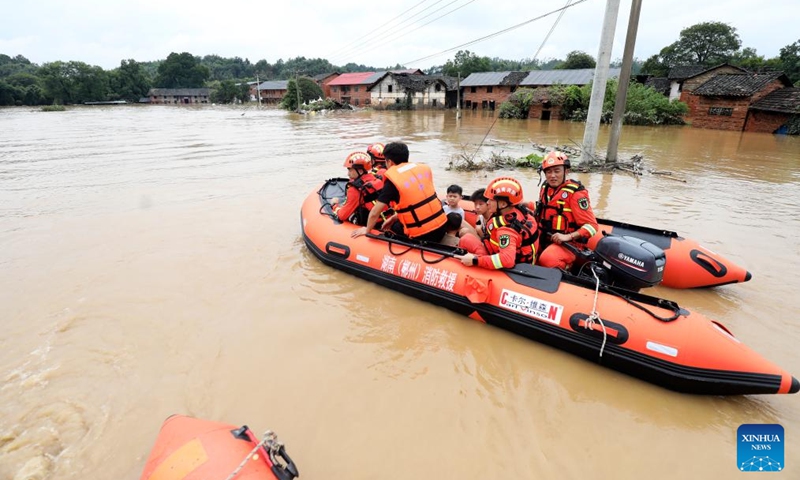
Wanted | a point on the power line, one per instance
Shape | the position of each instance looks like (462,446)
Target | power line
(494,34)
(547,37)
(388,40)
(392,29)
(375,30)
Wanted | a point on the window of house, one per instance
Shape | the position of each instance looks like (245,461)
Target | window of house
(484,104)
(389,88)
(356,89)
(433,103)
(356,102)
(513,88)
(473,89)
(438,87)
(489,89)
(468,103)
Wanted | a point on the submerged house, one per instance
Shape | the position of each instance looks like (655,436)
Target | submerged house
(772,113)
(489,89)
(544,107)
(421,91)
(355,88)
(178,96)
(272,92)
(724,101)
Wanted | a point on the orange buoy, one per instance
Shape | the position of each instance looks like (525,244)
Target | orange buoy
(188,448)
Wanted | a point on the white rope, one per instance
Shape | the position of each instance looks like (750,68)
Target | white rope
(269,440)
(595,316)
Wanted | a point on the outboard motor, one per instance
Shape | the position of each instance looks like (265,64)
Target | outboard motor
(631,262)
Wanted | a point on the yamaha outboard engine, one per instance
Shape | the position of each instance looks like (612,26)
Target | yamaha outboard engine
(631,262)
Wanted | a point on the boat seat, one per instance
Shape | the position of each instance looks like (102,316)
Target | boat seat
(534,276)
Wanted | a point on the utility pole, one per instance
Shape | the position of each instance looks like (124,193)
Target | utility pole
(458,96)
(258,93)
(297,87)
(624,80)
(599,83)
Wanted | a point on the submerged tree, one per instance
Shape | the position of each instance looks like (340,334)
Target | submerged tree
(181,70)
(309,90)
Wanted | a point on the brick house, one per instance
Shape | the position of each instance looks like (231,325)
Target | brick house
(178,96)
(353,88)
(272,91)
(540,80)
(690,84)
(324,80)
(489,89)
(424,91)
(723,101)
(773,112)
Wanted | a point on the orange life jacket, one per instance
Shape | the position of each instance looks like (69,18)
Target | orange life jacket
(368,186)
(524,223)
(419,209)
(552,214)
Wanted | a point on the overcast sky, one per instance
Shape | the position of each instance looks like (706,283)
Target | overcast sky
(379,34)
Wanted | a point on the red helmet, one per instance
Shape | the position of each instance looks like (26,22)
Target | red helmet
(554,159)
(376,151)
(358,159)
(504,187)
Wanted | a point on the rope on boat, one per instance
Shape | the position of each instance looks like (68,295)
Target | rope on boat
(595,316)
(269,442)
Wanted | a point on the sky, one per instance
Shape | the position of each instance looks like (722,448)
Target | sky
(414,33)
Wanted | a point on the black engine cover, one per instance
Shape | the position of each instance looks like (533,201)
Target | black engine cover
(632,262)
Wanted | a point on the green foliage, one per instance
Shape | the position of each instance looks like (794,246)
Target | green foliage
(318,105)
(644,105)
(706,43)
(465,63)
(309,90)
(577,59)
(518,104)
(130,81)
(228,91)
(790,61)
(793,125)
(53,108)
(181,70)
(74,82)
(533,160)
(655,66)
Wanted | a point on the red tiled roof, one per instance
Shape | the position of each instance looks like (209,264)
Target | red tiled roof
(358,78)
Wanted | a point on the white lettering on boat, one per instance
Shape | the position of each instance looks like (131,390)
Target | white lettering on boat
(409,269)
(439,278)
(362,258)
(531,306)
(658,348)
(387,265)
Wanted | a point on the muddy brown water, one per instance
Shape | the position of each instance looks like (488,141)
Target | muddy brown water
(151,263)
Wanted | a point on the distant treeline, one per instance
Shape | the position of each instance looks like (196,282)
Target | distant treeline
(71,82)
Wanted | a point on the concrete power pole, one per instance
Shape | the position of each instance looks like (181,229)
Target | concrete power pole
(297,87)
(599,83)
(624,80)
(458,96)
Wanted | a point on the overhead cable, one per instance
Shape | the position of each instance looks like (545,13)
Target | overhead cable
(506,30)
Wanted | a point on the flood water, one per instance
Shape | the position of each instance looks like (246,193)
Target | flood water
(151,263)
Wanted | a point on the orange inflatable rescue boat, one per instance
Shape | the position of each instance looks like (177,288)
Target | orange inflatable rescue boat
(192,449)
(608,322)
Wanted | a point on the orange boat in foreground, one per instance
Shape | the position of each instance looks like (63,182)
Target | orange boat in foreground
(643,336)
(192,449)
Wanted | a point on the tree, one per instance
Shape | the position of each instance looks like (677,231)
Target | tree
(466,62)
(130,81)
(74,82)
(228,91)
(309,90)
(707,43)
(790,61)
(181,70)
(577,59)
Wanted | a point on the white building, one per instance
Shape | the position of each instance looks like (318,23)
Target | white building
(425,91)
